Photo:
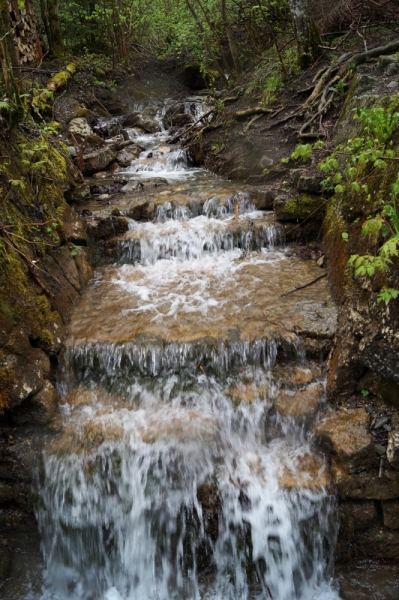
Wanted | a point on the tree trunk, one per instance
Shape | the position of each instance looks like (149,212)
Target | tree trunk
(306,32)
(230,37)
(207,46)
(54,27)
(10,81)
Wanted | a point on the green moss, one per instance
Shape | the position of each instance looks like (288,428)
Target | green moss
(46,340)
(302,206)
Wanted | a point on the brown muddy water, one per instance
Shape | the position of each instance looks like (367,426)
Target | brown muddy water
(184,467)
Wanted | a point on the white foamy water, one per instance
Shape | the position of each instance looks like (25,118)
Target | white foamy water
(150,488)
(176,474)
(193,239)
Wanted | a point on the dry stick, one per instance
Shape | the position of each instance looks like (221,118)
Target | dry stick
(302,287)
(102,105)
(248,112)
(180,135)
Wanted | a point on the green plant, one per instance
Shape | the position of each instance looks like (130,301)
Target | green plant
(302,152)
(365,393)
(364,154)
(339,89)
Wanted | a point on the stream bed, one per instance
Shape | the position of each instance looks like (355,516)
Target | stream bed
(191,378)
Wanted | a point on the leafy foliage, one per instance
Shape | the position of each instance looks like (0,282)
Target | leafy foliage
(363,155)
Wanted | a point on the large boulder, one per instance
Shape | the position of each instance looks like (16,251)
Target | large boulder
(98,159)
(176,116)
(64,259)
(28,372)
(71,228)
(299,403)
(79,130)
(345,433)
(127,155)
(38,409)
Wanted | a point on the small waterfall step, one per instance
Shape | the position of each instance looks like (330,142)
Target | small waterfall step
(187,240)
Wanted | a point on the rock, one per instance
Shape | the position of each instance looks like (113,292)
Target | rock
(309,473)
(380,422)
(392,69)
(299,403)
(367,485)
(388,391)
(143,210)
(103,197)
(98,160)
(292,209)
(72,151)
(134,186)
(55,333)
(29,373)
(392,84)
(6,495)
(390,511)
(17,459)
(5,563)
(72,228)
(263,198)
(380,543)
(79,129)
(381,450)
(64,259)
(83,266)
(100,175)
(310,183)
(345,434)
(393,449)
(130,119)
(38,409)
(321,261)
(62,293)
(127,155)
(362,514)
(92,141)
(106,100)
(109,227)
(79,194)
(175,116)
(381,358)
(145,120)
(114,129)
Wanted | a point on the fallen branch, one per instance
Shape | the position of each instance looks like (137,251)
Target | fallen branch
(248,112)
(302,287)
(181,134)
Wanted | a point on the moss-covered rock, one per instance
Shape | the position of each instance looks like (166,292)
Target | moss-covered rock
(298,207)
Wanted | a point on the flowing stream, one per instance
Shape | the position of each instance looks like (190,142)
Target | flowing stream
(184,467)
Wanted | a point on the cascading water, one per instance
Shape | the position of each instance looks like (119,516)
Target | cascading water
(184,468)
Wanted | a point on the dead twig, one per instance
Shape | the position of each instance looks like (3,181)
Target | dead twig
(302,287)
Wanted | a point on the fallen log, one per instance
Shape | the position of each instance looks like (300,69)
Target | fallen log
(42,102)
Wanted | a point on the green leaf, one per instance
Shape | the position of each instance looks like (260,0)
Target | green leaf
(345,236)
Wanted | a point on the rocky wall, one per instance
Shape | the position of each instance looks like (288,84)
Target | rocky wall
(44,251)
(360,437)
